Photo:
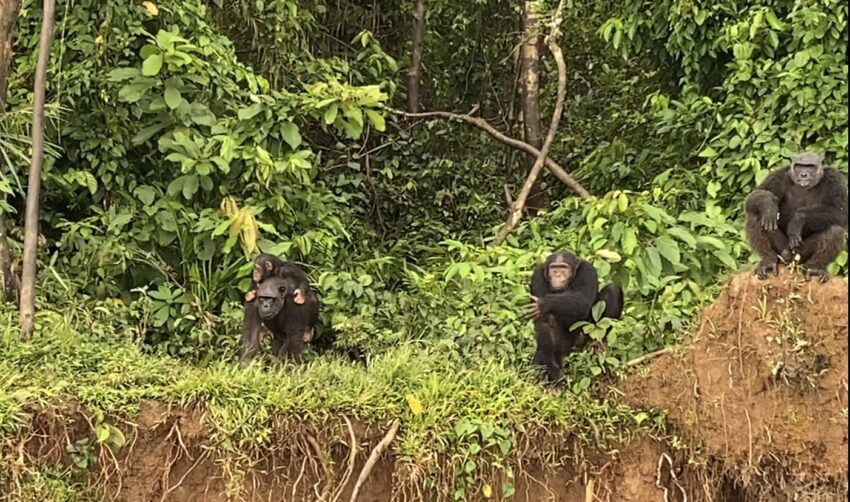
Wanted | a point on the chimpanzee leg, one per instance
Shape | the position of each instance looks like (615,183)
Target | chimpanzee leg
(293,346)
(250,334)
(819,250)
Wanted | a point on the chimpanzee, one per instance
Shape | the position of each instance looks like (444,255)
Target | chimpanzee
(266,265)
(563,292)
(287,321)
(798,210)
(276,309)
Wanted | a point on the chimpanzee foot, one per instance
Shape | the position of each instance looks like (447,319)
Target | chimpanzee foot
(767,267)
(821,274)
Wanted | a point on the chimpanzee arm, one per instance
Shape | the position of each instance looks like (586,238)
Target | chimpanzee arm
(575,303)
(539,286)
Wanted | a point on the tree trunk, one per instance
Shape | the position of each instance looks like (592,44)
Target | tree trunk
(532,128)
(9,10)
(552,40)
(414,73)
(27,313)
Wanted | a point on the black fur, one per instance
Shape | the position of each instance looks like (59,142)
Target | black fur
(562,308)
(800,209)
(287,314)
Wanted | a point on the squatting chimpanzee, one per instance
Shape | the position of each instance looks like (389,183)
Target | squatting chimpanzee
(291,324)
(563,291)
(798,210)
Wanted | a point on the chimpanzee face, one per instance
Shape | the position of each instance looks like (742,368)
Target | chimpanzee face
(262,269)
(560,274)
(806,170)
(271,296)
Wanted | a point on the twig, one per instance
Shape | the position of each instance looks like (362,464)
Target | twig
(588,491)
(319,453)
(482,124)
(673,477)
(646,357)
(352,457)
(516,211)
(373,459)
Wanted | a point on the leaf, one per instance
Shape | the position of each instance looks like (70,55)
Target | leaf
(508,490)
(148,132)
(172,97)
(414,404)
(774,23)
(610,256)
(707,152)
(801,58)
(653,261)
(757,20)
(598,309)
(152,65)
(249,112)
(330,114)
(487,490)
(668,249)
(91,182)
(145,194)
(121,74)
(291,135)
(377,120)
(629,241)
(201,115)
(150,7)
(711,241)
(131,93)
(190,187)
(263,156)
(683,235)
(101,433)
(726,258)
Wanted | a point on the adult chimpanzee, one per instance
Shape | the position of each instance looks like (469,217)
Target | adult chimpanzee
(276,309)
(798,210)
(563,291)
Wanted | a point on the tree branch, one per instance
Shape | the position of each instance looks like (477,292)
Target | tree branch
(482,124)
(516,212)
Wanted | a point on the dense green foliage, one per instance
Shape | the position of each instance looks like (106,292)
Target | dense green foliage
(186,135)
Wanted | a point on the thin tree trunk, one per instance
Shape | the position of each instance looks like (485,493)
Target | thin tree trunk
(414,73)
(552,42)
(9,10)
(530,64)
(27,313)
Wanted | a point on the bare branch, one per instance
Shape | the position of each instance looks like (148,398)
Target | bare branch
(482,124)
(516,212)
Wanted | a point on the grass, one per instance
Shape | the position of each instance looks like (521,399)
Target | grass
(84,360)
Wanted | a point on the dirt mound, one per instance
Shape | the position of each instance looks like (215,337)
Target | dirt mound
(761,390)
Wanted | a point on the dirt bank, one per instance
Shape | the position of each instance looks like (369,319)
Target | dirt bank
(756,403)
(760,393)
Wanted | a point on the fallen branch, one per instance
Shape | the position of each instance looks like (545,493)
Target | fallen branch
(647,357)
(516,211)
(482,124)
(373,459)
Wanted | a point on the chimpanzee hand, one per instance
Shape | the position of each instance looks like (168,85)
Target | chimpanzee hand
(535,309)
(770,218)
(250,295)
(795,232)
